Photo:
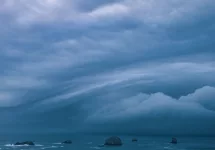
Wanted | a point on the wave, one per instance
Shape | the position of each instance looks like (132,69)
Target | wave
(168,147)
(50,147)
(95,147)
(38,145)
(12,145)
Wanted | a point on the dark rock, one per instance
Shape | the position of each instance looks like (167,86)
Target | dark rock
(67,142)
(25,143)
(134,140)
(113,141)
(174,141)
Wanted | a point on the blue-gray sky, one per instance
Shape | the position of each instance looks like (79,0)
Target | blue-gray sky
(125,66)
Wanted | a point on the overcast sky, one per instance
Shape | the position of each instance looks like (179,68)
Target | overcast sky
(107,66)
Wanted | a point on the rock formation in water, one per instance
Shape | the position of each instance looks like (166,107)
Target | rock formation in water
(174,141)
(67,142)
(113,141)
(25,143)
(134,140)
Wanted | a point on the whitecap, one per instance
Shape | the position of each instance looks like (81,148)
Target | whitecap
(9,145)
(49,147)
(12,145)
(167,147)
(95,147)
(54,146)
(57,143)
(90,143)
(38,145)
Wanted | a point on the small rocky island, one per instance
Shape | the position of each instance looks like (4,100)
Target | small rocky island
(113,141)
(67,142)
(134,140)
(174,141)
(25,143)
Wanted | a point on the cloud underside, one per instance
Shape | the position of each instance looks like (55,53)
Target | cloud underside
(126,66)
(131,113)
(156,114)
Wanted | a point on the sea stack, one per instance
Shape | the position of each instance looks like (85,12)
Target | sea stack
(25,143)
(67,142)
(174,141)
(134,140)
(113,141)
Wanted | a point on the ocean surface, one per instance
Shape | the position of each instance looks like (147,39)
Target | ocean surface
(86,142)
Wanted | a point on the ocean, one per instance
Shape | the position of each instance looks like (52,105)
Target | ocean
(89,142)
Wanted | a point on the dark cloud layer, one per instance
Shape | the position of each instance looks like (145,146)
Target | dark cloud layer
(119,66)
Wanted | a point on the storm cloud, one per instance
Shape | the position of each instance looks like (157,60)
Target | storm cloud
(126,66)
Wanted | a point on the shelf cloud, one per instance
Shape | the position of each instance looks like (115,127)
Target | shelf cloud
(94,66)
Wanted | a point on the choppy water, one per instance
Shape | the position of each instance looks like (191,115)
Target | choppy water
(46,142)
